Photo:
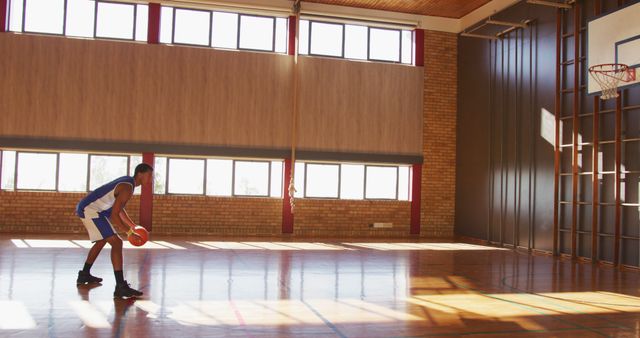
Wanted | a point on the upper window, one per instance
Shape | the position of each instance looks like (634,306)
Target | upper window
(257,32)
(80,18)
(115,20)
(359,42)
(191,27)
(326,39)
(223,29)
(84,18)
(44,16)
(382,43)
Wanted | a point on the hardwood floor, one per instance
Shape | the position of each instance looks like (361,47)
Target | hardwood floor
(224,287)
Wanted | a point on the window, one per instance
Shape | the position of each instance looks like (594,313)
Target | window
(44,16)
(303,37)
(191,27)
(352,181)
(355,42)
(37,171)
(105,168)
(134,160)
(115,20)
(381,182)
(326,39)
(186,176)
(257,32)
(382,43)
(142,22)
(224,30)
(282,35)
(8,169)
(15,15)
(72,175)
(322,180)
(166,24)
(298,180)
(276,179)
(80,18)
(404,183)
(251,178)
(407,47)
(219,177)
(160,175)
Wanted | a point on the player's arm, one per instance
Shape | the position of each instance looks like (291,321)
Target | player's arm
(123,194)
(124,216)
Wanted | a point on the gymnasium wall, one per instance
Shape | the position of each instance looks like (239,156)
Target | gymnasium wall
(412,113)
(506,141)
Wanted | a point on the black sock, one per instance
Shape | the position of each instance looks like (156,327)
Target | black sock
(87,267)
(119,277)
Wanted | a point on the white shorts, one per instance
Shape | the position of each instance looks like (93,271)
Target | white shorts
(99,227)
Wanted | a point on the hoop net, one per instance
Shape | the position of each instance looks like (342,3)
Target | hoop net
(608,75)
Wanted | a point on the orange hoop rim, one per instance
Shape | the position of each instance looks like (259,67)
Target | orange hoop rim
(616,68)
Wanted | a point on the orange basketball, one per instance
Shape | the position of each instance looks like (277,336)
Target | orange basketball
(139,241)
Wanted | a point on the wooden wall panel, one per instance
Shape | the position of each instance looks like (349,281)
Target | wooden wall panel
(108,90)
(360,107)
(95,90)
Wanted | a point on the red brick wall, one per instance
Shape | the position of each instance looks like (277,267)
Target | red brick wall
(439,134)
(200,215)
(342,218)
(49,212)
(46,212)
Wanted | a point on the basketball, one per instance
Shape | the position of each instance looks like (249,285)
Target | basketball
(139,241)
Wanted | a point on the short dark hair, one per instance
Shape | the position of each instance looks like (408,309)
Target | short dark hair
(142,168)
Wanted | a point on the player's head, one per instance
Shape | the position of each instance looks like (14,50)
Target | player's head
(144,172)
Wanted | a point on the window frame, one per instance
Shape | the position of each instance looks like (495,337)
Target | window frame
(95,20)
(306,179)
(173,27)
(86,188)
(128,156)
(233,179)
(24,20)
(273,35)
(311,22)
(396,167)
(17,160)
(204,175)
(399,31)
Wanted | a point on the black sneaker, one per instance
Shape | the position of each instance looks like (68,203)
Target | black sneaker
(125,291)
(86,278)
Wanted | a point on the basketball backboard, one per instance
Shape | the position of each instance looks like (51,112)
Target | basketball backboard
(615,38)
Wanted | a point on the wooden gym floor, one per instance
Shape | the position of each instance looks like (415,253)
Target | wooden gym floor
(208,287)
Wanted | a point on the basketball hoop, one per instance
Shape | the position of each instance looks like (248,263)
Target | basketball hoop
(608,75)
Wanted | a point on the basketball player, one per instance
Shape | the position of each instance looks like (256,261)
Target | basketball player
(102,213)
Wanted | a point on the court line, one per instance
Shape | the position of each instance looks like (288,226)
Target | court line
(325,320)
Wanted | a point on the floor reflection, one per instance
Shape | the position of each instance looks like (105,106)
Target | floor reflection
(212,287)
